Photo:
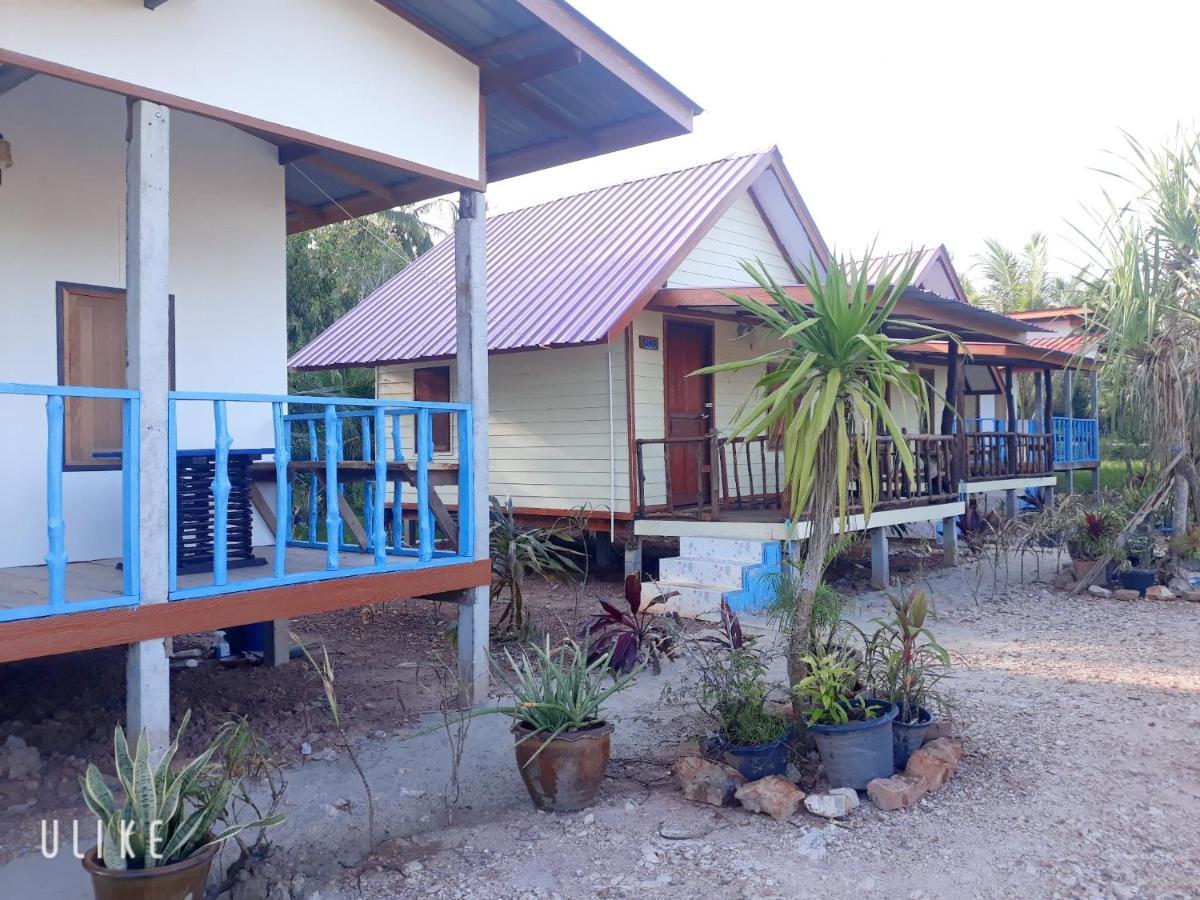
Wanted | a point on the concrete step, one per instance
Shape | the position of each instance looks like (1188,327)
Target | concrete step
(689,570)
(721,549)
(693,600)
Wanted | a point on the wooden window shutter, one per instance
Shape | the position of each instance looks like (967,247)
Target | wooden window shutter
(92,354)
(432,385)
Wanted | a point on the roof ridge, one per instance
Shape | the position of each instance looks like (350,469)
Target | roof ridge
(733,157)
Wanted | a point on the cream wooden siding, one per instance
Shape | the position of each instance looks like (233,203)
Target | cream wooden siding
(549,426)
(740,234)
(649,419)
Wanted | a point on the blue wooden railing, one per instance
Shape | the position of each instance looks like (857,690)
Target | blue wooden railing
(1076,440)
(329,433)
(56,524)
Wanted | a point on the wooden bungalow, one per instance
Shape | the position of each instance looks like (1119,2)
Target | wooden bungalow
(602,303)
(157,478)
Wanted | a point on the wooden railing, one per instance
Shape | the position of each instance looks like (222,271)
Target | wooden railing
(740,474)
(1006,454)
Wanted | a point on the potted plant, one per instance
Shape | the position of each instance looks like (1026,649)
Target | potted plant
(639,637)
(905,665)
(1090,540)
(1139,571)
(562,738)
(159,841)
(730,687)
(853,732)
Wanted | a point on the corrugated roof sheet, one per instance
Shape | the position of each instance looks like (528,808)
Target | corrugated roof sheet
(1068,344)
(562,272)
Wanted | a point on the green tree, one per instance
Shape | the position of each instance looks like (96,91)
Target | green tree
(825,388)
(330,269)
(1018,282)
(1143,288)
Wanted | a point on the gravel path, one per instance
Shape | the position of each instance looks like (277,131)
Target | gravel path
(1080,719)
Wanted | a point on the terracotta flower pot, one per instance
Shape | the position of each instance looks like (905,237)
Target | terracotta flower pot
(566,775)
(183,880)
(1082,567)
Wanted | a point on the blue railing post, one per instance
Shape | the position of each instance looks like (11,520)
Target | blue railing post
(333,515)
(397,487)
(313,456)
(220,492)
(172,496)
(283,490)
(131,559)
(378,531)
(424,452)
(466,492)
(56,529)
(364,427)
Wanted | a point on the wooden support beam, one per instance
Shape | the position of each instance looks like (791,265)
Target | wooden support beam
(342,173)
(516,43)
(951,402)
(304,216)
(12,76)
(290,153)
(153,4)
(498,79)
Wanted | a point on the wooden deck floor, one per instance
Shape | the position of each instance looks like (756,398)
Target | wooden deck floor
(30,585)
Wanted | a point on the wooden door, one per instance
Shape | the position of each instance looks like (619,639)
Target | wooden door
(688,401)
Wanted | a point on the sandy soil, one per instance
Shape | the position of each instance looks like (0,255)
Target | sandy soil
(1080,719)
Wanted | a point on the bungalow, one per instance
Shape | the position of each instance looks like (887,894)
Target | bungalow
(157,478)
(602,303)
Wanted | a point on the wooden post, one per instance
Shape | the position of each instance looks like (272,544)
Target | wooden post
(1047,392)
(951,403)
(147,328)
(1011,402)
(470,286)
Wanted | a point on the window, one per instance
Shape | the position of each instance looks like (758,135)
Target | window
(432,384)
(91,353)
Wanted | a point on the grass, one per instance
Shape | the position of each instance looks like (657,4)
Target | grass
(1114,475)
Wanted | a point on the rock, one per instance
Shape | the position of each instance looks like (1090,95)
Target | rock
(705,781)
(935,762)
(939,728)
(897,792)
(1159,592)
(1192,596)
(1126,594)
(850,794)
(19,761)
(1102,592)
(589,819)
(830,806)
(1064,579)
(1179,585)
(412,868)
(773,795)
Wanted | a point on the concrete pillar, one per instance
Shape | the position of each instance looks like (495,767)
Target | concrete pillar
(633,555)
(881,573)
(950,540)
(470,284)
(1010,503)
(1096,480)
(147,328)
(279,643)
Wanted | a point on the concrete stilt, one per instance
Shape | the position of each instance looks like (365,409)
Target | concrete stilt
(470,284)
(633,556)
(950,540)
(279,643)
(1010,503)
(148,370)
(881,574)
(1096,480)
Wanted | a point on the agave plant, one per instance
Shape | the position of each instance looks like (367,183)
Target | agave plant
(165,817)
(629,639)
(515,551)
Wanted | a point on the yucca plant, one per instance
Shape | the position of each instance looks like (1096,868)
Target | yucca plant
(825,390)
(516,551)
(165,816)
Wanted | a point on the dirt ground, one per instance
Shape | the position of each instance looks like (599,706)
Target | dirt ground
(1080,718)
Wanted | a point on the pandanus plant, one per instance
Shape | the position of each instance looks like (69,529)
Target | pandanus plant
(165,816)
(825,388)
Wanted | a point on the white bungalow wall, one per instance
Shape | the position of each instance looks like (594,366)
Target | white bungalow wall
(557,434)
(62,210)
(300,64)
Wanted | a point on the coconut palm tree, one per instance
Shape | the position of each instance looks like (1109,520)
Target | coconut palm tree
(1017,282)
(1144,293)
(825,390)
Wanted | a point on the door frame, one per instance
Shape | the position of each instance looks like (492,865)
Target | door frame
(709,327)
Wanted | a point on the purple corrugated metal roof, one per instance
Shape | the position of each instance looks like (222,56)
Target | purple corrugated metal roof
(562,272)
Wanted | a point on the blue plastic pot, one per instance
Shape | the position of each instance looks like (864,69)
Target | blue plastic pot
(759,760)
(1138,579)
(252,638)
(907,737)
(858,752)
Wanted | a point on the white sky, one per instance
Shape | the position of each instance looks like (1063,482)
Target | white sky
(908,122)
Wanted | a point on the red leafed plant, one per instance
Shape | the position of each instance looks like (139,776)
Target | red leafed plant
(635,636)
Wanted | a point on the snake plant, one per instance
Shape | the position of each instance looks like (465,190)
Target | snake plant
(165,816)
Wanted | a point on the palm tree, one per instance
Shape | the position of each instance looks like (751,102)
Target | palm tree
(1015,282)
(1144,293)
(825,390)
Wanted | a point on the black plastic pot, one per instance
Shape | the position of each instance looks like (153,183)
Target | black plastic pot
(759,760)
(858,752)
(1138,579)
(907,737)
